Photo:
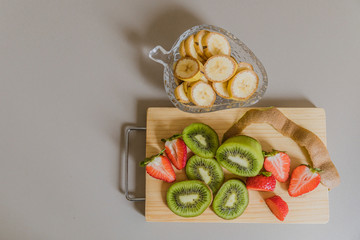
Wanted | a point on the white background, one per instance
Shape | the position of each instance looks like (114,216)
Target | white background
(74,74)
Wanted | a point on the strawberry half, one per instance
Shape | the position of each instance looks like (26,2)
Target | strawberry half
(176,151)
(159,167)
(263,182)
(278,207)
(278,163)
(303,180)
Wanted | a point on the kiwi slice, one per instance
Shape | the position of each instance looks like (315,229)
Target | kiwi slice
(231,200)
(241,155)
(207,170)
(201,139)
(188,198)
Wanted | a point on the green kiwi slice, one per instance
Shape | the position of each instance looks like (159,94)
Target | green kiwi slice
(231,200)
(207,170)
(189,198)
(241,155)
(201,139)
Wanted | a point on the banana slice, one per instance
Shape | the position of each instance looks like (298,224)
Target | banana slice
(188,69)
(221,89)
(243,85)
(204,79)
(177,81)
(180,94)
(190,48)
(220,68)
(215,44)
(186,87)
(198,43)
(202,94)
(244,66)
(182,49)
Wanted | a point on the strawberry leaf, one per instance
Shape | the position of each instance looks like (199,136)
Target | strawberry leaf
(149,159)
(171,138)
(266,174)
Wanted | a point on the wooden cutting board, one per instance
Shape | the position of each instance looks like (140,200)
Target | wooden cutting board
(309,208)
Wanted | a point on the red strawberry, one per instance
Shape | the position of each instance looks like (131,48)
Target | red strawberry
(303,180)
(278,207)
(278,163)
(263,182)
(159,166)
(176,151)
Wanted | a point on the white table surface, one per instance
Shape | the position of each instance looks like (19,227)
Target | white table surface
(74,74)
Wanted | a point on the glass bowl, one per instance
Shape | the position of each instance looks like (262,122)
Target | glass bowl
(238,50)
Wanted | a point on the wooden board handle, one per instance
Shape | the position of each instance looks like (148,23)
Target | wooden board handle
(127,143)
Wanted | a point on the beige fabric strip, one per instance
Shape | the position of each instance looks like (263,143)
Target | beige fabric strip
(318,152)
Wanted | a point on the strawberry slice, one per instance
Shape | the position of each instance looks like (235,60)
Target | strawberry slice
(159,167)
(278,207)
(176,151)
(278,163)
(263,182)
(303,179)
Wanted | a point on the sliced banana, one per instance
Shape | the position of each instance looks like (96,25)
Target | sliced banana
(202,94)
(182,49)
(198,43)
(204,79)
(221,89)
(180,94)
(177,81)
(188,69)
(243,85)
(186,87)
(215,44)
(244,66)
(220,68)
(190,48)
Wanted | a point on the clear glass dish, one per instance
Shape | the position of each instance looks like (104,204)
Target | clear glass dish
(238,50)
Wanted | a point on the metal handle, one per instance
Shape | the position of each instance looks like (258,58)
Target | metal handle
(128,131)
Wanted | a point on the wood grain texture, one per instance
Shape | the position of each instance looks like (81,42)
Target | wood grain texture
(309,208)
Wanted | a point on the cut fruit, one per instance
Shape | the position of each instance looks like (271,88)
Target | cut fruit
(220,68)
(190,48)
(243,85)
(159,167)
(180,94)
(185,87)
(303,179)
(176,151)
(207,170)
(177,81)
(221,89)
(265,182)
(198,43)
(241,155)
(204,79)
(202,94)
(231,200)
(278,163)
(182,49)
(188,69)
(244,66)
(215,44)
(188,198)
(201,139)
(278,207)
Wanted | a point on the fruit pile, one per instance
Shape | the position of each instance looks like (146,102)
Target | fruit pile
(207,69)
(241,155)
